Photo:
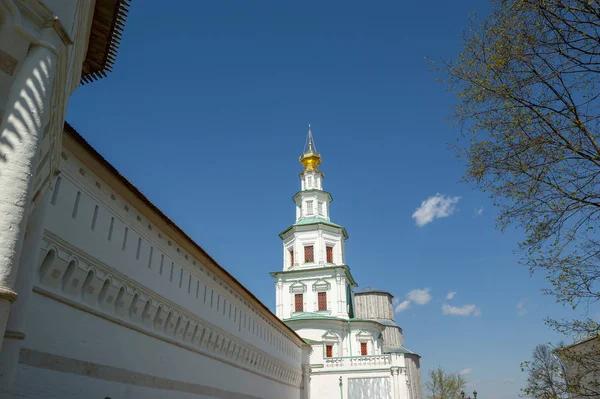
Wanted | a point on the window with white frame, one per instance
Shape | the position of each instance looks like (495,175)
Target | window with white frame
(330,343)
(320,208)
(309,208)
(309,182)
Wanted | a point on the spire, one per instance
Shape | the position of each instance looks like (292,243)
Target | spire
(311,158)
(310,142)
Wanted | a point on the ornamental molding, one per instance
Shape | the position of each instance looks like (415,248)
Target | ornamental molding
(298,287)
(94,287)
(364,336)
(330,336)
(321,285)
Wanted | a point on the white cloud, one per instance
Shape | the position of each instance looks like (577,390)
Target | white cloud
(479,212)
(522,307)
(402,306)
(466,310)
(465,372)
(450,295)
(438,206)
(508,381)
(419,296)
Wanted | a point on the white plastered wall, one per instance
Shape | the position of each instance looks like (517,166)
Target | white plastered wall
(140,303)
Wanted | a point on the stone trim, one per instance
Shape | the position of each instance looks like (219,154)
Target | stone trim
(14,335)
(62,364)
(298,287)
(7,294)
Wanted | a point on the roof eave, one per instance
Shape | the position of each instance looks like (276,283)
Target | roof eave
(108,23)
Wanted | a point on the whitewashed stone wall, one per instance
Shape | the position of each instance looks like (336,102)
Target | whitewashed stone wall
(344,339)
(305,281)
(320,238)
(122,309)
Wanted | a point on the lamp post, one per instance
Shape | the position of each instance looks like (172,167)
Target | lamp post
(462,394)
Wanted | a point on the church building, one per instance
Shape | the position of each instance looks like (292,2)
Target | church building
(356,345)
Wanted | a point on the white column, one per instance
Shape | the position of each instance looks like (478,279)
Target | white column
(393,384)
(277,299)
(403,382)
(338,278)
(343,294)
(28,264)
(26,113)
(306,381)
(320,248)
(396,387)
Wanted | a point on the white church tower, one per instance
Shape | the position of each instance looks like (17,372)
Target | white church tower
(352,351)
(315,278)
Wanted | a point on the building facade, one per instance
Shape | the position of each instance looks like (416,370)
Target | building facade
(357,348)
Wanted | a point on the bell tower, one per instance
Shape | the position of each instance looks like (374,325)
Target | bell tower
(314,277)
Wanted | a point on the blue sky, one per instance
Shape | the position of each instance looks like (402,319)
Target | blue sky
(207,110)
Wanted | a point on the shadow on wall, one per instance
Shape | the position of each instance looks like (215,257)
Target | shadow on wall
(24,110)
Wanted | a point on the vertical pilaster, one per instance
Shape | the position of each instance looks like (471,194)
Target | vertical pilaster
(338,279)
(397,394)
(15,329)
(392,380)
(20,132)
(403,383)
(306,381)
(278,299)
(320,248)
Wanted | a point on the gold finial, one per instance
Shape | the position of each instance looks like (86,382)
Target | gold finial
(311,158)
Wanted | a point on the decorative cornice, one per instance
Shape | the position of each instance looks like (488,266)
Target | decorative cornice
(94,287)
(60,30)
(337,268)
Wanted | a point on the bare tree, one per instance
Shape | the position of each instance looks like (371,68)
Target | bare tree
(445,385)
(546,378)
(528,86)
(582,367)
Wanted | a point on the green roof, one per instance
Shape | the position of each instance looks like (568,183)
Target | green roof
(310,191)
(308,315)
(304,221)
(315,220)
(312,341)
(318,316)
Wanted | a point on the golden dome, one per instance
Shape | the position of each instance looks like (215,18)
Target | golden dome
(311,159)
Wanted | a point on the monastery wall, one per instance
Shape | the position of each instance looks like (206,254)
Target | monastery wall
(124,306)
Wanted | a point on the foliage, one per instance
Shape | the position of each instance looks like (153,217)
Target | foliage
(444,385)
(564,372)
(582,368)
(528,105)
(546,378)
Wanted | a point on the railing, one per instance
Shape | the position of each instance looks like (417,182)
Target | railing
(358,362)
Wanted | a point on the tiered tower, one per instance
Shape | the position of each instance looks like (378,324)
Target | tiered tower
(315,278)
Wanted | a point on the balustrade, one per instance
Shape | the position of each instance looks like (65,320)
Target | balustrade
(359,362)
